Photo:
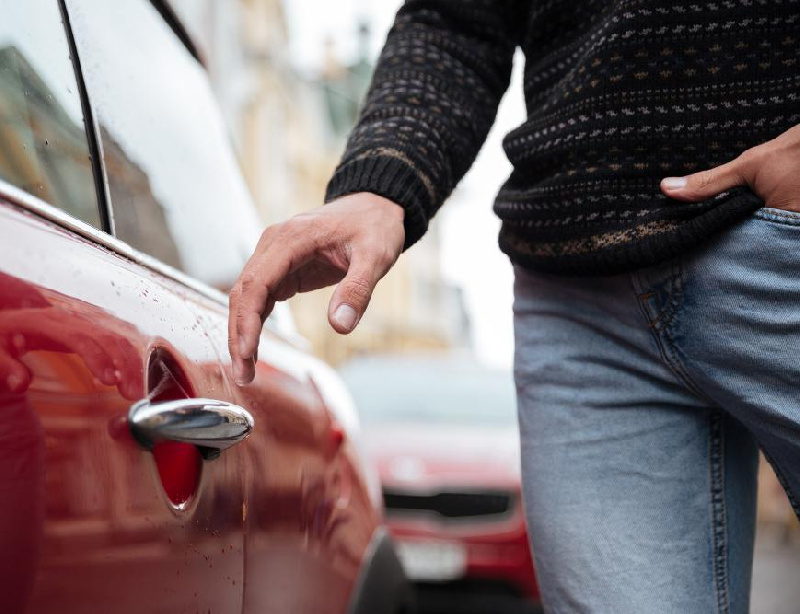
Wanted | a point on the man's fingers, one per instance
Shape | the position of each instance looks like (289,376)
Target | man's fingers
(312,251)
(237,364)
(706,184)
(249,316)
(252,299)
(352,295)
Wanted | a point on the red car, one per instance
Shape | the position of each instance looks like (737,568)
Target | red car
(443,433)
(134,475)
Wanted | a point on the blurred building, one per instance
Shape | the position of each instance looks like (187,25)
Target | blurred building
(289,131)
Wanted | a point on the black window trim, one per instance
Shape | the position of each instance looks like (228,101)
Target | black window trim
(169,15)
(91,127)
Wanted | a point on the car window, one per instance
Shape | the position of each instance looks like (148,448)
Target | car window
(176,190)
(43,144)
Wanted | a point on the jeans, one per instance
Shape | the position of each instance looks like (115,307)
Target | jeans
(643,398)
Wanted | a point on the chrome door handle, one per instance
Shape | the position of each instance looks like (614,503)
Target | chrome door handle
(213,426)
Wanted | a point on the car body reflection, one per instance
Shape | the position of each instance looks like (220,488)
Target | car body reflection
(71,478)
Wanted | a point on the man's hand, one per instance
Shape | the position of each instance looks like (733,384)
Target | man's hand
(353,241)
(771,170)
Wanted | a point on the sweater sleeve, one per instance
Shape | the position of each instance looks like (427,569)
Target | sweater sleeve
(433,98)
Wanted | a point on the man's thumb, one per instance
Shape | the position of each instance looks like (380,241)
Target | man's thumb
(350,300)
(706,184)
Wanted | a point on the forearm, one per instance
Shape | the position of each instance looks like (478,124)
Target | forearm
(433,99)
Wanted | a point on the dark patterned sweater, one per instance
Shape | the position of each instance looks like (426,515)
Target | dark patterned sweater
(619,93)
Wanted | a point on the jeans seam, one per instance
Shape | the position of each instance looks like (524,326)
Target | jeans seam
(716,439)
(664,317)
(674,359)
(674,362)
(661,324)
(787,218)
(719,533)
(654,325)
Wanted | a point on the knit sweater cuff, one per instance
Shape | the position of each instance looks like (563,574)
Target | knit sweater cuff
(391,178)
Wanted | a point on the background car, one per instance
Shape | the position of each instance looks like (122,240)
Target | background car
(127,480)
(443,432)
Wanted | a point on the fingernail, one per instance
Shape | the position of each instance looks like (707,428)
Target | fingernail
(674,183)
(243,353)
(345,316)
(238,373)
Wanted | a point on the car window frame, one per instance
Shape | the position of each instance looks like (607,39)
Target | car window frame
(105,238)
(19,197)
(91,127)
(171,18)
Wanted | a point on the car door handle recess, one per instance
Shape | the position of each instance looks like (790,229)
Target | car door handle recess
(211,425)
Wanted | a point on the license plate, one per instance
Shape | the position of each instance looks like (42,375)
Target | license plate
(433,561)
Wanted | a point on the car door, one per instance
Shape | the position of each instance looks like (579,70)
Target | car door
(91,518)
(176,193)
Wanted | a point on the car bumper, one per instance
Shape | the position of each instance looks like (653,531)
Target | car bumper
(497,554)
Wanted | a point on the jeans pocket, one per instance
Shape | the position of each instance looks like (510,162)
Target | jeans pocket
(779,216)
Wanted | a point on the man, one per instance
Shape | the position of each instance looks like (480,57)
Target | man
(653,217)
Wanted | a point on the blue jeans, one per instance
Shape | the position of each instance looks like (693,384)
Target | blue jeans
(643,398)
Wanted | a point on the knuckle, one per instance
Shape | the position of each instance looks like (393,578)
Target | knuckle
(757,156)
(377,253)
(371,252)
(706,179)
(358,289)
(235,294)
(246,283)
(748,155)
(750,160)
(292,229)
(768,155)
(266,237)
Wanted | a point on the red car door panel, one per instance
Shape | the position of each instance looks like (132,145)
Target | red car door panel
(91,520)
(310,516)
(86,524)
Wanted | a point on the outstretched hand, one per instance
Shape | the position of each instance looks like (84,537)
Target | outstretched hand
(352,242)
(771,170)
